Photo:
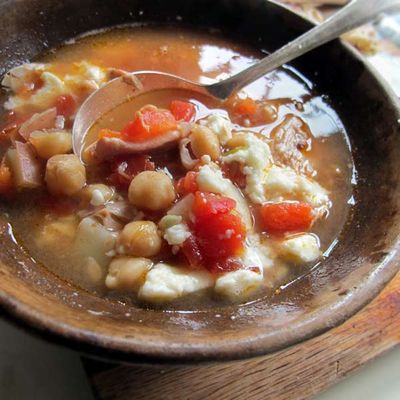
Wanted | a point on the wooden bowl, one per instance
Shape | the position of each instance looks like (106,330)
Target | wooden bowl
(365,259)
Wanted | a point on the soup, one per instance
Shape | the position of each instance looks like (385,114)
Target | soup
(179,199)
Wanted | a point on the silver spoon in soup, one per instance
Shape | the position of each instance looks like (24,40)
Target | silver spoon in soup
(130,85)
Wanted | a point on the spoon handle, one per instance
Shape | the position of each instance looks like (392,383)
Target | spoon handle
(356,13)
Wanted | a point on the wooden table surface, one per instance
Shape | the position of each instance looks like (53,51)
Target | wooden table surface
(296,373)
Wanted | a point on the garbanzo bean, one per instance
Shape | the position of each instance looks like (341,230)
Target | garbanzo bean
(65,175)
(204,141)
(127,272)
(48,144)
(140,239)
(96,194)
(151,190)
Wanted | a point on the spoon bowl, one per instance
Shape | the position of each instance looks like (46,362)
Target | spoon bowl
(132,84)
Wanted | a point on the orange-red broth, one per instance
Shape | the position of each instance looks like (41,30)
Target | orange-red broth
(198,57)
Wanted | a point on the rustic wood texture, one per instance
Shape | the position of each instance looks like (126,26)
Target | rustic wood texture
(297,373)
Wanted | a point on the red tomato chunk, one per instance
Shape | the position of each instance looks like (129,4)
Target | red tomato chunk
(207,204)
(285,217)
(182,110)
(217,234)
(187,184)
(65,105)
(148,123)
(220,235)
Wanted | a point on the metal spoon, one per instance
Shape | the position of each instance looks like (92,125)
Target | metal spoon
(117,91)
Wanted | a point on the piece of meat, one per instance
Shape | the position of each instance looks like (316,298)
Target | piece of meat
(28,171)
(38,122)
(108,148)
(289,140)
(113,216)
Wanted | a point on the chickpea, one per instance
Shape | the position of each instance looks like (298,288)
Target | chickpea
(140,239)
(48,144)
(127,272)
(96,194)
(152,190)
(65,174)
(238,140)
(204,141)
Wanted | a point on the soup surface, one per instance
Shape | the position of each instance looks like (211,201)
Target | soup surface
(181,200)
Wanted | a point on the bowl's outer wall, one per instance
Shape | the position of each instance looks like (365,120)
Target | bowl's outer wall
(363,261)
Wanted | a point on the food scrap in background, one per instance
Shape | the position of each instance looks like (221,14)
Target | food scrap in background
(378,41)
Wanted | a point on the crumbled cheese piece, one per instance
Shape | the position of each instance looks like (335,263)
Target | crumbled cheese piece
(221,126)
(255,153)
(300,249)
(257,254)
(210,180)
(42,98)
(281,183)
(166,283)
(255,156)
(97,198)
(17,77)
(238,284)
(86,74)
(177,234)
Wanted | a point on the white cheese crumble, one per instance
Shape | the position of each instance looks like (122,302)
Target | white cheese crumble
(281,183)
(255,152)
(238,284)
(255,156)
(177,234)
(166,283)
(300,249)
(221,126)
(42,98)
(17,77)
(85,75)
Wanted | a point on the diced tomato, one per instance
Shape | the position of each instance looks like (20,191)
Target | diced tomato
(187,184)
(220,235)
(65,105)
(61,206)
(108,133)
(285,217)
(6,181)
(124,169)
(245,106)
(182,110)
(207,204)
(149,122)
(191,250)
